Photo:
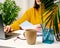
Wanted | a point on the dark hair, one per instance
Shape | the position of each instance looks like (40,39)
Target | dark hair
(36,5)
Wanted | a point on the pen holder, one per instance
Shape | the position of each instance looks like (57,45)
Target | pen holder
(48,36)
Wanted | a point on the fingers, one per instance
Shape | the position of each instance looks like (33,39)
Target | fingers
(7,29)
(11,30)
(38,28)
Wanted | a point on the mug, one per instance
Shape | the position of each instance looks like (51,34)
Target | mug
(30,35)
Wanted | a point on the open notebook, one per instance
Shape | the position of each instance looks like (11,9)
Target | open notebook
(27,25)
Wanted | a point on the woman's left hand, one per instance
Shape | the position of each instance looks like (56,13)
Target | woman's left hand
(38,28)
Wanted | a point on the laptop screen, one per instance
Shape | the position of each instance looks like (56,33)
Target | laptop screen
(2,34)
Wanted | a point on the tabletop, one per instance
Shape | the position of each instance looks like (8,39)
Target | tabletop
(18,43)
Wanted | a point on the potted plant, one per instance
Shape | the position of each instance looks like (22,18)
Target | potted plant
(52,18)
(58,3)
(9,11)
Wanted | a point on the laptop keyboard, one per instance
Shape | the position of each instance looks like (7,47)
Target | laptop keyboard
(11,35)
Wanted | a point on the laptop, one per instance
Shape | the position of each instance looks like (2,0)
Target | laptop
(3,34)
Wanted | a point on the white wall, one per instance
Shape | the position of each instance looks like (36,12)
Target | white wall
(24,4)
(2,1)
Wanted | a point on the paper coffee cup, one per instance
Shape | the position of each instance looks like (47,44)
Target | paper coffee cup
(30,36)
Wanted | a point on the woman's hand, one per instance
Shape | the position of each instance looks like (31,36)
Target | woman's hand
(8,29)
(38,28)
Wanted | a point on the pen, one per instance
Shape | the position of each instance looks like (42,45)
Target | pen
(19,38)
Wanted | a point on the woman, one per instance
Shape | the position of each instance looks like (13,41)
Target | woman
(33,15)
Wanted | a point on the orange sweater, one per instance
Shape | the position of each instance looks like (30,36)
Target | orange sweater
(32,15)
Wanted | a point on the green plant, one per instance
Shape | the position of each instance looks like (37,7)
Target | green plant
(9,11)
(58,3)
(52,18)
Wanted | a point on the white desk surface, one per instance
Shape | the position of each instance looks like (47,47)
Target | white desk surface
(23,44)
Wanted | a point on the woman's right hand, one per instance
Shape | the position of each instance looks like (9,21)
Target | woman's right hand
(8,29)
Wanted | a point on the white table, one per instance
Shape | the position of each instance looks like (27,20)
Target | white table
(23,44)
